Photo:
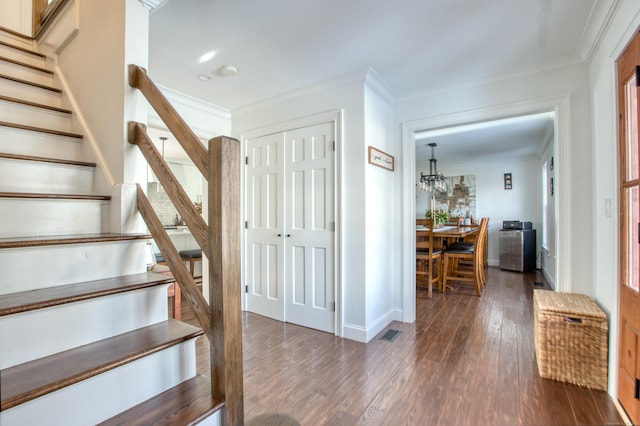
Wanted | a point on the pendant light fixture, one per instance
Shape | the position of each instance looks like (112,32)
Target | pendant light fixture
(434,181)
(162,139)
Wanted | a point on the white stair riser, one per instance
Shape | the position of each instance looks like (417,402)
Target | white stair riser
(25,73)
(43,177)
(33,268)
(44,217)
(30,93)
(24,142)
(36,334)
(17,113)
(102,397)
(22,56)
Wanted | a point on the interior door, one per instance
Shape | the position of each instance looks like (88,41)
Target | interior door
(309,235)
(629,186)
(265,226)
(290,226)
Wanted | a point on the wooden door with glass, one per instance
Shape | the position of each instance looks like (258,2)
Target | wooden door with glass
(628,69)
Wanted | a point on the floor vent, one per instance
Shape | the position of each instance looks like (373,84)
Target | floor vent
(390,335)
(538,284)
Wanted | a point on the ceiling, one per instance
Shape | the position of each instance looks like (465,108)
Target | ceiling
(416,46)
(497,140)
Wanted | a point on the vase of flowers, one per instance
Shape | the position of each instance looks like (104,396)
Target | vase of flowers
(439,216)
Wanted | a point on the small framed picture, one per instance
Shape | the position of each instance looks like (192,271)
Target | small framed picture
(507,181)
(381,159)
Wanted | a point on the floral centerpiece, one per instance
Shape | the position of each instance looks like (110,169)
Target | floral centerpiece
(441,216)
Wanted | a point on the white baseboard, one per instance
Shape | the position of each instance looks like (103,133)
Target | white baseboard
(364,334)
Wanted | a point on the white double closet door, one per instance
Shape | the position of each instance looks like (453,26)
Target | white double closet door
(290,226)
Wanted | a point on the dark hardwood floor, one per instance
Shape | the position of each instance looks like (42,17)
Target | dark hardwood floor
(467,360)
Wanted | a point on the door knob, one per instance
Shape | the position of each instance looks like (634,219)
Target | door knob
(288,235)
(279,235)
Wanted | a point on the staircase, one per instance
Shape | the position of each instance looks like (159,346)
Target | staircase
(85,336)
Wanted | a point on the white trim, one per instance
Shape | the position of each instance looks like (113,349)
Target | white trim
(559,105)
(86,130)
(153,5)
(375,82)
(598,23)
(355,332)
(337,118)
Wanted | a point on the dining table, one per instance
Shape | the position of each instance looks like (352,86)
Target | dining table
(446,234)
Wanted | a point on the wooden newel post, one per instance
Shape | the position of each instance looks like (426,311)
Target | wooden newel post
(224,276)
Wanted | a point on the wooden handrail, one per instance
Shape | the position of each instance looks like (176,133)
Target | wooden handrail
(187,210)
(44,14)
(139,79)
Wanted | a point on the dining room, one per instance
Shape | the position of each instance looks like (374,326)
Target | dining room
(502,169)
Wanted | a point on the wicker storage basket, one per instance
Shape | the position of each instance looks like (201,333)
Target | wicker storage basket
(570,338)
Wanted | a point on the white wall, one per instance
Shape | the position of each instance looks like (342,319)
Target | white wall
(16,15)
(94,70)
(604,184)
(95,65)
(348,98)
(523,202)
(382,217)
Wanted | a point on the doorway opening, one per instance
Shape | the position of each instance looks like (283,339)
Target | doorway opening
(450,127)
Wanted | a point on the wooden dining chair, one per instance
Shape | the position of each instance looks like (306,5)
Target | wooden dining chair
(466,263)
(428,261)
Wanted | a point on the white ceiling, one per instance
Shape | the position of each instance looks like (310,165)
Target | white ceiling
(416,46)
(497,140)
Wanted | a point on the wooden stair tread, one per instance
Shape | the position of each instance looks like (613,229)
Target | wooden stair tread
(21,242)
(34,379)
(34,104)
(53,296)
(30,83)
(22,49)
(186,404)
(26,65)
(46,160)
(33,195)
(41,130)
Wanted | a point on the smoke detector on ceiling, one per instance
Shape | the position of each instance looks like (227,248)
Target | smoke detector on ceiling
(228,71)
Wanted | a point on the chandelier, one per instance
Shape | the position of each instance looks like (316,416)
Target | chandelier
(434,181)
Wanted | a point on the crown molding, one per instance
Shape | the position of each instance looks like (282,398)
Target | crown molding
(153,5)
(375,82)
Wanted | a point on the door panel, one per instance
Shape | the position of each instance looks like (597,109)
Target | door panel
(265,219)
(310,273)
(629,190)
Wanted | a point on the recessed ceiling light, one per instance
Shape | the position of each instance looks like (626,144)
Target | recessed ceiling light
(204,77)
(207,56)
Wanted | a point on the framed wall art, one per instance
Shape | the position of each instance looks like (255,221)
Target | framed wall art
(381,159)
(507,181)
